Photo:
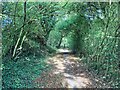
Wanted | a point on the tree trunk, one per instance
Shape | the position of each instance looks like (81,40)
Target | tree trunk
(15,12)
(21,32)
(58,46)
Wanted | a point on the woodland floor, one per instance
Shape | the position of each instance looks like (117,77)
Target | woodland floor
(68,72)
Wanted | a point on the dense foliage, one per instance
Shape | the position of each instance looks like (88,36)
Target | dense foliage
(91,30)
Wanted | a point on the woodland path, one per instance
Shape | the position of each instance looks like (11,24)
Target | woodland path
(67,72)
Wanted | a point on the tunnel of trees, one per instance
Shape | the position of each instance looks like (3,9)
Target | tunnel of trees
(32,31)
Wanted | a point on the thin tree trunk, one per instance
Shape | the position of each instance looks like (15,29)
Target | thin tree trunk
(23,40)
(58,46)
(21,32)
(15,12)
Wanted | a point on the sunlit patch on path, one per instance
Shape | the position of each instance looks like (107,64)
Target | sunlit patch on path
(70,71)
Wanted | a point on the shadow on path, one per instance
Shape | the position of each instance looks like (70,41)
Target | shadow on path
(67,72)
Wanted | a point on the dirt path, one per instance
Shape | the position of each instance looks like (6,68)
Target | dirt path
(67,72)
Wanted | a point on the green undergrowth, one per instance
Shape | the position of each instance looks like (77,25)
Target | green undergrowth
(22,72)
(111,78)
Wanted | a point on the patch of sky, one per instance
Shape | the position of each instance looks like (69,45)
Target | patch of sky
(6,21)
(100,14)
(92,17)
(89,17)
